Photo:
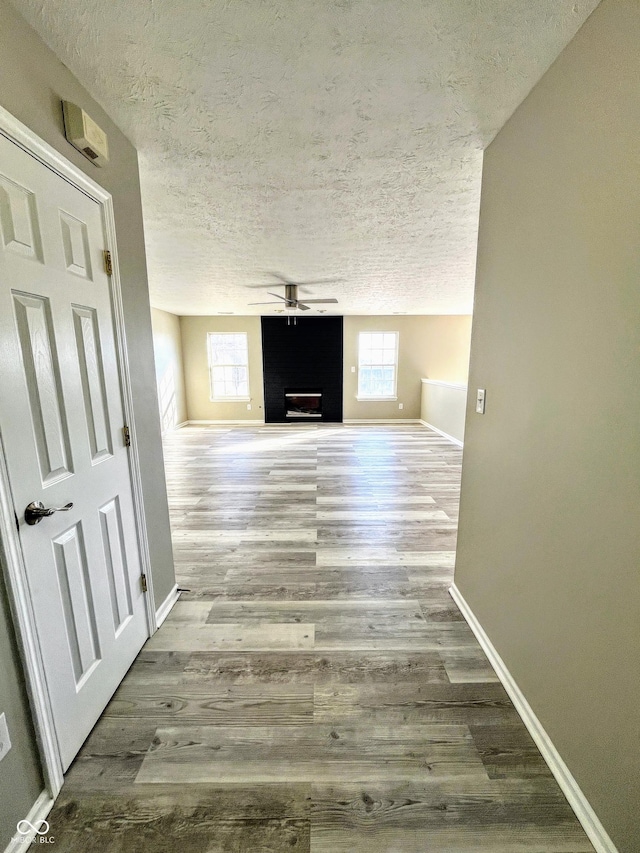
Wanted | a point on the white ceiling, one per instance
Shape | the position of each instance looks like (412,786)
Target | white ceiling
(318,139)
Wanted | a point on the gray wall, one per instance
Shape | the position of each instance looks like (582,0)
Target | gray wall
(20,778)
(549,544)
(32,82)
(167,347)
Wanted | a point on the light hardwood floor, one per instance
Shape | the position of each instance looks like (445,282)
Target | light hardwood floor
(315,690)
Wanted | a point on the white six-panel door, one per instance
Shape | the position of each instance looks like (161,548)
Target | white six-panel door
(61,419)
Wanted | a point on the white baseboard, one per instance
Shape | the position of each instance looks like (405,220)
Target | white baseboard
(230,422)
(584,812)
(38,812)
(381,421)
(165,608)
(442,433)
(173,428)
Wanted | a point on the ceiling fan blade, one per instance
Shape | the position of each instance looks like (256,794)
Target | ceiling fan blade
(263,303)
(286,280)
(277,295)
(303,307)
(257,286)
(317,301)
(271,284)
(281,277)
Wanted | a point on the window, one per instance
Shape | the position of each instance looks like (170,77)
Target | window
(228,365)
(377,365)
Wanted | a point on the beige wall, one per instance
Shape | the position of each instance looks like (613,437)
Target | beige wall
(33,82)
(549,544)
(167,347)
(196,368)
(435,347)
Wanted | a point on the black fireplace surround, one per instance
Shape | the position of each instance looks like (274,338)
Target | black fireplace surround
(305,359)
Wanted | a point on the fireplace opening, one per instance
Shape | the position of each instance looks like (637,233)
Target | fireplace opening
(303,404)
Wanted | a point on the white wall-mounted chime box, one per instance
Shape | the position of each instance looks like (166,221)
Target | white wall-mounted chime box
(84,134)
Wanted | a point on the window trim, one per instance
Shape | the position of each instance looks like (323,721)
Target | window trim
(378,398)
(217,399)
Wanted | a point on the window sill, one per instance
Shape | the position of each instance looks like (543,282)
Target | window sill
(230,399)
(376,399)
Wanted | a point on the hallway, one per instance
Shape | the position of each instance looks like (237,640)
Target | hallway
(316,688)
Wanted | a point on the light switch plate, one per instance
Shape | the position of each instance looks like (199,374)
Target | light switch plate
(480,396)
(5,741)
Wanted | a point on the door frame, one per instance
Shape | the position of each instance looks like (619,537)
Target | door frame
(11,556)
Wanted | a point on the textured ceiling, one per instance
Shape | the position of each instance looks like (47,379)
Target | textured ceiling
(330,139)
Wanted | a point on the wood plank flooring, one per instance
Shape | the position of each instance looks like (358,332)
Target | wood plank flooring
(315,690)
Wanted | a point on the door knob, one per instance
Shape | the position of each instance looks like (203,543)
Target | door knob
(36,511)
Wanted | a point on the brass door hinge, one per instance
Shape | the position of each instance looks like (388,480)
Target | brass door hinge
(143,583)
(108,263)
(127,436)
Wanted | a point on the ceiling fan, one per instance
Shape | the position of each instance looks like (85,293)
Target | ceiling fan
(290,297)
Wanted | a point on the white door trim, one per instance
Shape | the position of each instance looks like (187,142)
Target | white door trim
(20,602)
